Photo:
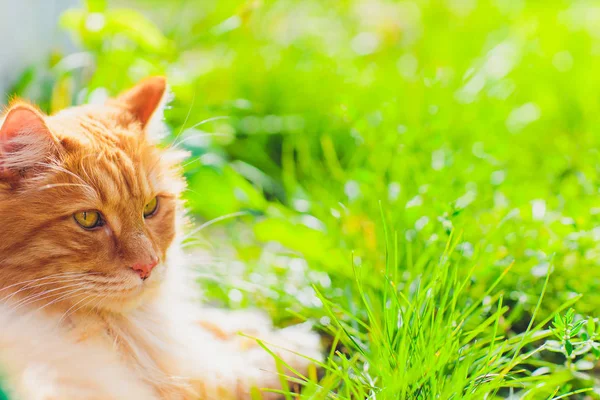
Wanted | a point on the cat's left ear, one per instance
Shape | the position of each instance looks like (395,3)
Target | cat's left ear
(146,100)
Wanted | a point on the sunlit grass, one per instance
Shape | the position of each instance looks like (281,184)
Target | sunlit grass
(417,179)
(431,340)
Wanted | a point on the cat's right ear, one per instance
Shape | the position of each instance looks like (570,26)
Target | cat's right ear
(25,141)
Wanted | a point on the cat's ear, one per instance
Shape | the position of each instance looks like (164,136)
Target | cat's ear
(146,99)
(25,140)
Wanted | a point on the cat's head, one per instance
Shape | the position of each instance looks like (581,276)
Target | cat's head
(88,202)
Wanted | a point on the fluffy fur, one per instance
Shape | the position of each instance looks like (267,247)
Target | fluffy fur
(77,321)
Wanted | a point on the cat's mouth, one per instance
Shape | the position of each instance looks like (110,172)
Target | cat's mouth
(123,291)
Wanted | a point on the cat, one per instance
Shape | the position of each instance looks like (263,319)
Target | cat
(95,298)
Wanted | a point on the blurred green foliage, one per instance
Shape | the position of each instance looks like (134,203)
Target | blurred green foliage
(314,124)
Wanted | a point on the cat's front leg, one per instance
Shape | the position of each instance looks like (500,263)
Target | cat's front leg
(227,324)
(241,374)
(234,366)
(246,326)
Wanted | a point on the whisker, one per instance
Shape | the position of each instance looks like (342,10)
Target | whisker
(55,185)
(101,279)
(198,242)
(36,279)
(63,297)
(188,189)
(61,169)
(67,313)
(208,263)
(214,221)
(231,282)
(99,299)
(46,295)
(58,168)
(34,284)
(58,278)
(196,136)
(35,296)
(211,119)
(187,116)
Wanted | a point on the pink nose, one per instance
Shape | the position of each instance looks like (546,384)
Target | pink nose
(144,270)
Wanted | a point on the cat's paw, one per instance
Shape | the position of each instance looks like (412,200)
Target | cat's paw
(298,343)
(246,334)
(291,351)
(226,324)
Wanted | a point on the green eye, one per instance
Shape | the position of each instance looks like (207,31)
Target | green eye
(151,207)
(88,219)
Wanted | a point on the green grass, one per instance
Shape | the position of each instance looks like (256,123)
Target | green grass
(418,179)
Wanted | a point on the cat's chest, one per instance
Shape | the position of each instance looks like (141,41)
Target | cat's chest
(143,344)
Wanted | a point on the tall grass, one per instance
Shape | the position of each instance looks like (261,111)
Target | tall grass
(421,335)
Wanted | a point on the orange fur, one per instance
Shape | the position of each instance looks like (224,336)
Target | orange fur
(73,292)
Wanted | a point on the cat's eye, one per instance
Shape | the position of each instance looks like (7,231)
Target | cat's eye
(151,207)
(88,219)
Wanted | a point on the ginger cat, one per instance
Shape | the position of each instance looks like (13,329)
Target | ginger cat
(93,298)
